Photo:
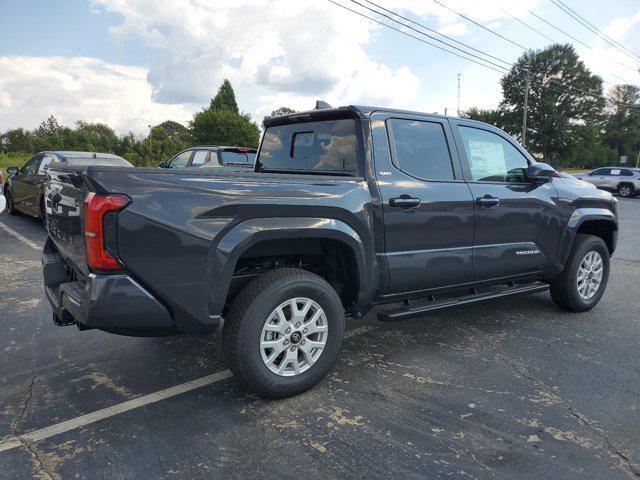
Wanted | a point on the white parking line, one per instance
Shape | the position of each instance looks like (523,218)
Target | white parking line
(22,238)
(98,415)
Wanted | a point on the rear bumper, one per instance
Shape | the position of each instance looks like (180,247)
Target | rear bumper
(115,303)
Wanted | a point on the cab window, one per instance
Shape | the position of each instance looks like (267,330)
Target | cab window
(420,149)
(491,157)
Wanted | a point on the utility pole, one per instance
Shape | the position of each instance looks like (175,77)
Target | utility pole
(527,81)
(458,95)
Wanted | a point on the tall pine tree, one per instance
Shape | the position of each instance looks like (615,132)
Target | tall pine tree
(225,99)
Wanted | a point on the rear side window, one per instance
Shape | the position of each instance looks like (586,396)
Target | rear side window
(237,157)
(627,173)
(491,157)
(313,147)
(199,157)
(421,150)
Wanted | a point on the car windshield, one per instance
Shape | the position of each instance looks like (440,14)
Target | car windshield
(103,161)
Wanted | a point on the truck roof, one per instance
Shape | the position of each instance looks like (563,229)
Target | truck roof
(345,111)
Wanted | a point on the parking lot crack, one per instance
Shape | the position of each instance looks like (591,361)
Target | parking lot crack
(631,467)
(39,465)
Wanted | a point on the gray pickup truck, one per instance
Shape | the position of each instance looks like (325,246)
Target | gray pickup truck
(346,208)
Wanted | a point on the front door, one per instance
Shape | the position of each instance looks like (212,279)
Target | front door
(518,224)
(23,185)
(427,207)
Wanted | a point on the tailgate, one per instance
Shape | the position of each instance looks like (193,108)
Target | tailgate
(64,196)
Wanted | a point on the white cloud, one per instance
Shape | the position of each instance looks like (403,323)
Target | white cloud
(275,52)
(81,88)
(618,27)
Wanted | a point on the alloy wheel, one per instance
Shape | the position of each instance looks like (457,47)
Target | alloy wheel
(294,336)
(590,274)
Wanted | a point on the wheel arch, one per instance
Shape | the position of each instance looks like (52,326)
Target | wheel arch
(600,222)
(251,233)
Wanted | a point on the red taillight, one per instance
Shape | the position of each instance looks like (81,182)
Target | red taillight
(95,208)
(243,150)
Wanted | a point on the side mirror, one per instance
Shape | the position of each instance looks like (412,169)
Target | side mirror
(164,165)
(539,173)
(12,170)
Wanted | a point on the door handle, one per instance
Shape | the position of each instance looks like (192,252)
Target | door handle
(488,201)
(405,202)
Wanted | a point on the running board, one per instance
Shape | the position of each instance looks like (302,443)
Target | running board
(414,310)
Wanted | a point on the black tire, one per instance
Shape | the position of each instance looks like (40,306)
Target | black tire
(247,316)
(43,213)
(626,190)
(564,288)
(11,208)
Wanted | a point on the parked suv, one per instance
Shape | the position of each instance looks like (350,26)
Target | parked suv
(226,158)
(346,208)
(624,181)
(24,188)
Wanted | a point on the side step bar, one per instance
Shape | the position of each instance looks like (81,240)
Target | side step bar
(416,309)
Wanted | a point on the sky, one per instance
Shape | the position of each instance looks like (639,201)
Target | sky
(135,63)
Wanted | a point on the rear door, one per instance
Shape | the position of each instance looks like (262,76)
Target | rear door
(517,224)
(427,207)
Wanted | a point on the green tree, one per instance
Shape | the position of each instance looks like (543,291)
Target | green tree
(564,96)
(17,140)
(224,127)
(225,99)
(50,135)
(622,127)
(490,116)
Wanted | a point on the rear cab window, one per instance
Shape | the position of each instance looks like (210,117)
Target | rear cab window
(327,147)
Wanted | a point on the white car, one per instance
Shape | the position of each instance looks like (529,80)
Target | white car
(622,180)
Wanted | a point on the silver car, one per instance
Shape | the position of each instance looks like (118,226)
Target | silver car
(622,180)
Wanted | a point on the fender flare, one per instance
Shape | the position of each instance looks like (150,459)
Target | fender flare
(225,253)
(578,217)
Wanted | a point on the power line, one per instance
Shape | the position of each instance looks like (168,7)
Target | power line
(480,25)
(529,26)
(578,18)
(427,28)
(601,32)
(503,70)
(584,44)
(431,36)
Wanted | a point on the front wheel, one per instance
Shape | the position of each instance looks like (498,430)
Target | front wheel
(584,279)
(283,332)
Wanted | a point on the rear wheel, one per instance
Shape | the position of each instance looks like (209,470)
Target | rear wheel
(584,279)
(625,190)
(283,332)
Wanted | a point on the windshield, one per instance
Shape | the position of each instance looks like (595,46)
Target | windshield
(103,161)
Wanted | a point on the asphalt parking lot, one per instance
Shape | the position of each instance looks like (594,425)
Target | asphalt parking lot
(513,388)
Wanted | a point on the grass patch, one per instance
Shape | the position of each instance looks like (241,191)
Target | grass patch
(12,160)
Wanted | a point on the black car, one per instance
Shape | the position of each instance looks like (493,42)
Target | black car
(345,209)
(24,188)
(226,158)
